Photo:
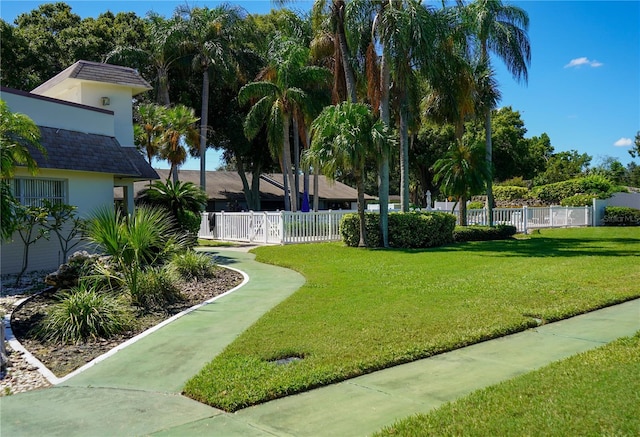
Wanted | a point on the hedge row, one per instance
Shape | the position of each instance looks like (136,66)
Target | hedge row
(406,230)
(621,216)
(483,233)
(594,184)
(418,230)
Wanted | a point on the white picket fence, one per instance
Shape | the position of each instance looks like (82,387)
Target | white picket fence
(527,218)
(307,227)
(281,227)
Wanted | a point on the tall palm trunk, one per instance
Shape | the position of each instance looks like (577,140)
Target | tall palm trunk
(360,187)
(489,158)
(349,76)
(404,152)
(204,119)
(316,195)
(296,158)
(385,116)
(163,86)
(286,157)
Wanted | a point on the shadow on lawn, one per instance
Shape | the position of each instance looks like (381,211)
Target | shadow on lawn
(544,247)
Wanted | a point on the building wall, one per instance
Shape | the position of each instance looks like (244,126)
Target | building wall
(119,102)
(58,115)
(85,190)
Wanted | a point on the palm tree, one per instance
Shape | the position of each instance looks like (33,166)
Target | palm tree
(501,29)
(148,128)
(462,173)
(343,137)
(18,133)
(163,37)
(211,37)
(179,129)
(277,97)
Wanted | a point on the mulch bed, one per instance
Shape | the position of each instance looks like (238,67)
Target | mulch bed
(62,359)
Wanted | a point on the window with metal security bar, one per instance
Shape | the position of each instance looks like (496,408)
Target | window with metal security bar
(32,191)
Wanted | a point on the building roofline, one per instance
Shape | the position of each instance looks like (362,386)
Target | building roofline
(27,94)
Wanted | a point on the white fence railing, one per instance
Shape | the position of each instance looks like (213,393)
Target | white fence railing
(526,218)
(272,227)
(307,227)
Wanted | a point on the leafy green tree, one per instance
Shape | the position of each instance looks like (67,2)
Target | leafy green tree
(148,128)
(343,138)
(563,166)
(30,224)
(18,133)
(502,30)
(65,224)
(462,173)
(635,151)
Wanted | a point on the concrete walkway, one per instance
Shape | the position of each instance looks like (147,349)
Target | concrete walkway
(136,391)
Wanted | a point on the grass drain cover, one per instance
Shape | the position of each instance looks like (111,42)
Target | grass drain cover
(286,360)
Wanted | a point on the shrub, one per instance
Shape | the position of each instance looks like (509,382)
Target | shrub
(475,205)
(156,288)
(82,313)
(517,181)
(406,230)
(578,200)
(504,193)
(593,184)
(193,265)
(621,216)
(483,233)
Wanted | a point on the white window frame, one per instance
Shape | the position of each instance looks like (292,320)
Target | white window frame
(32,191)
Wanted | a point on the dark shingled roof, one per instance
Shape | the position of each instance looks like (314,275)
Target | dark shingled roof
(98,72)
(227,185)
(72,150)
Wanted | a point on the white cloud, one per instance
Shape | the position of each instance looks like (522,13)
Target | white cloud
(623,142)
(579,62)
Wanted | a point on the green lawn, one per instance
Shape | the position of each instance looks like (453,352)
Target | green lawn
(593,393)
(363,310)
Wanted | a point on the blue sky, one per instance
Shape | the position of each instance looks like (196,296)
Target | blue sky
(584,78)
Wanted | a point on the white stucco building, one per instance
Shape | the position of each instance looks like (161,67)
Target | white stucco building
(86,123)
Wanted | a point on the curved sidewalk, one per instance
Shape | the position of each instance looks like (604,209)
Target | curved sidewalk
(136,391)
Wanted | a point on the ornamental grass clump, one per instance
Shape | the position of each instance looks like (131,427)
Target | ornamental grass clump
(83,313)
(192,265)
(156,288)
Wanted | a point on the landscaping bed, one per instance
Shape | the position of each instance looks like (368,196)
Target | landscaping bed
(62,359)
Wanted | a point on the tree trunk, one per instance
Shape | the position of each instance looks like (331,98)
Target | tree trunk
(316,188)
(383,188)
(360,187)
(489,158)
(296,159)
(463,210)
(404,153)
(344,51)
(163,86)
(286,157)
(204,118)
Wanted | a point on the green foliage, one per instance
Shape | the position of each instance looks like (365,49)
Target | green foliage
(578,200)
(475,205)
(406,230)
(84,313)
(363,310)
(65,224)
(193,265)
(548,401)
(563,166)
(594,184)
(621,216)
(155,289)
(506,193)
(483,233)
(517,181)
(31,225)
(144,238)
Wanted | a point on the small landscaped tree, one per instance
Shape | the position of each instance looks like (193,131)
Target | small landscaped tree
(343,137)
(462,173)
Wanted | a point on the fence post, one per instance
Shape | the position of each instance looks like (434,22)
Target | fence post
(525,217)
(281,227)
(223,231)
(265,226)
(586,215)
(330,222)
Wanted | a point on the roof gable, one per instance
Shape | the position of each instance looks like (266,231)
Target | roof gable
(98,72)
